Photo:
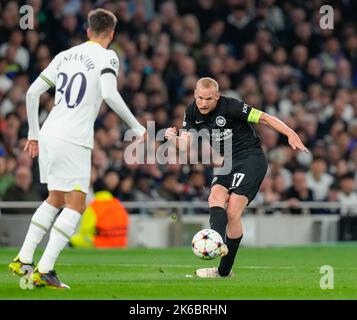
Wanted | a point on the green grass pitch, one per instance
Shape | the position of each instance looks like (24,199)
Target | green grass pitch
(260,273)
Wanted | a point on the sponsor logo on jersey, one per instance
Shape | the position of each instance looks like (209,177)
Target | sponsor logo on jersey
(219,136)
(220,121)
(198,122)
(214,180)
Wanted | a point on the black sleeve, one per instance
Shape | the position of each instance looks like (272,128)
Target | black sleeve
(188,120)
(108,70)
(238,109)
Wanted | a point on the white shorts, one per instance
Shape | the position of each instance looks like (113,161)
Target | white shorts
(64,166)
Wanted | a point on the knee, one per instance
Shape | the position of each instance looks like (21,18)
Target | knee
(233,216)
(76,201)
(215,200)
(55,201)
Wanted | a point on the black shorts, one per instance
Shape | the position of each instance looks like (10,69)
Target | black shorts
(246,176)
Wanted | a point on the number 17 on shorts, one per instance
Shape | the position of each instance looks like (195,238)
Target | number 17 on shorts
(237,179)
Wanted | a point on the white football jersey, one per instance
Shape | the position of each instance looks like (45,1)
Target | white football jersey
(75,74)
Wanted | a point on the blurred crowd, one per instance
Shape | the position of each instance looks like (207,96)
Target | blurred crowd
(271,54)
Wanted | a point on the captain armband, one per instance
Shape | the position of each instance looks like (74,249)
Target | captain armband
(254,115)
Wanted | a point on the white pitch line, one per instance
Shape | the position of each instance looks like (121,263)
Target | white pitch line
(195,266)
(192,266)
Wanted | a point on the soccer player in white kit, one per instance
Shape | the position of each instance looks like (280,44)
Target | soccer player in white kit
(82,76)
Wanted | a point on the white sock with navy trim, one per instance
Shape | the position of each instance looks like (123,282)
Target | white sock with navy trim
(62,230)
(41,221)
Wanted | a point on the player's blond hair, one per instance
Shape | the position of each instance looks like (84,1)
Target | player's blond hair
(207,83)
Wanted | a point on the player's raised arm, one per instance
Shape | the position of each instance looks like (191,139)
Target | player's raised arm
(247,113)
(278,125)
(108,85)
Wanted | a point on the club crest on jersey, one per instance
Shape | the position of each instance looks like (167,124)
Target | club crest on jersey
(114,63)
(220,121)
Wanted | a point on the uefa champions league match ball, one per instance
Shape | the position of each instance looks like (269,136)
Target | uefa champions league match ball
(206,244)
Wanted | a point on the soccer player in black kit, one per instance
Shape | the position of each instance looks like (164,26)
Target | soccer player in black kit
(230,192)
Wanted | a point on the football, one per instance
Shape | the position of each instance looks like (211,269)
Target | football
(206,244)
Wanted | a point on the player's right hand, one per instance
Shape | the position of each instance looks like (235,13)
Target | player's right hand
(296,143)
(170,133)
(31,147)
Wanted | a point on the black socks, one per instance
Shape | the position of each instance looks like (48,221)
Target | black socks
(227,261)
(218,220)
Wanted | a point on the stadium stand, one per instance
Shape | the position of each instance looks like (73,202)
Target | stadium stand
(272,54)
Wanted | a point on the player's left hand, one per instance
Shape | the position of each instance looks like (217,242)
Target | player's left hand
(31,147)
(296,143)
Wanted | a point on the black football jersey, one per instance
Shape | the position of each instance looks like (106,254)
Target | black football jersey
(231,119)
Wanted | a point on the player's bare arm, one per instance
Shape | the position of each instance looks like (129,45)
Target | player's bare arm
(273,122)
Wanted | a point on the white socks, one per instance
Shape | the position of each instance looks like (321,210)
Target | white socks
(62,230)
(40,223)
